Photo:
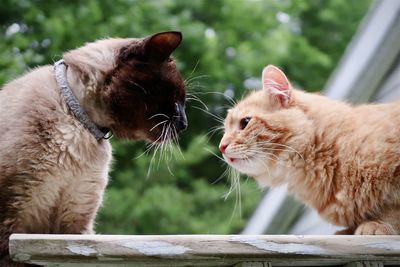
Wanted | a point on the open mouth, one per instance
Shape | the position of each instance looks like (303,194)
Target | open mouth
(234,159)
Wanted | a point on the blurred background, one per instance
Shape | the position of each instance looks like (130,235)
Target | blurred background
(226,45)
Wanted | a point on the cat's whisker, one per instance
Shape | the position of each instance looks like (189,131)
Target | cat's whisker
(216,117)
(194,68)
(214,154)
(151,164)
(213,130)
(157,148)
(286,150)
(150,146)
(158,114)
(167,153)
(255,137)
(163,143)
(234,177)
(266,167)
(258,155)
(153,144)
(282,145)
(195,98)
(194,87)
(170,143)
(291,148)
(155,126)
(194,78)
(261,153)
(223,107)
(175,140)
(170,171)
(138,85)
(141,154)
(230,99)
(222,176)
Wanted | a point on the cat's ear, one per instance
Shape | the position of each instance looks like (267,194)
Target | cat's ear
(160,46)
(277,85)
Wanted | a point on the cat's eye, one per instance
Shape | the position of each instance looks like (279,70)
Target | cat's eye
(244,122)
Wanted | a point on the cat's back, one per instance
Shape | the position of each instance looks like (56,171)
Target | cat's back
(23,98)
(28,85)
(375,126)
(27,104)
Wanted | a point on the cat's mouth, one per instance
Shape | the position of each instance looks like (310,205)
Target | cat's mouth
(248,165)
(169,127)
(232,160)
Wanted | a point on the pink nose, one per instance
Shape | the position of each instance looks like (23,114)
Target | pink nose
(222,148)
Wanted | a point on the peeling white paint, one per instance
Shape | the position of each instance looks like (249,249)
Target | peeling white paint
(281,247)
(152,248)
(82,250)
(22,257)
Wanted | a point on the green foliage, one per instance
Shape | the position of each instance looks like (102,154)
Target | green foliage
(225,44)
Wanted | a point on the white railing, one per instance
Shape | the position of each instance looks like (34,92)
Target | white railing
(205,250)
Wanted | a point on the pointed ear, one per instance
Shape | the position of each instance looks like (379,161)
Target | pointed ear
(277,85)
(160,46)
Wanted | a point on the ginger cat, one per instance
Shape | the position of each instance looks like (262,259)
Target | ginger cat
(54,157)
(342,160)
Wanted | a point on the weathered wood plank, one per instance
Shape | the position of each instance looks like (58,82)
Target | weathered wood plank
(364,264)
(253,264)
(202,250)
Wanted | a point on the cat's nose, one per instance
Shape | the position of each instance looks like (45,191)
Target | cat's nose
(222,148)
(181,120)
(181,124)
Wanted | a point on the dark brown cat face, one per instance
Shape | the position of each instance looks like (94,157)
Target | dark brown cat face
(144,93)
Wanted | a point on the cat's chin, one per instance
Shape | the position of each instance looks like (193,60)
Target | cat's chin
(244,165)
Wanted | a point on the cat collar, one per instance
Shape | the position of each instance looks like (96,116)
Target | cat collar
(60,70)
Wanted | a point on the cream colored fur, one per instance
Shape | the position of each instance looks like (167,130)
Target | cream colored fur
(53,171)
(63,167)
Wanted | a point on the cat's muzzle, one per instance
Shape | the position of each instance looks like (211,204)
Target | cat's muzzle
(179,120)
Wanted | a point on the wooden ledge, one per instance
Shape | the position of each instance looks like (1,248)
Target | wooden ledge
(203,250)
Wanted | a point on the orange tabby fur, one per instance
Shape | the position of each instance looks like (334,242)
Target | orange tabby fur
(340,159)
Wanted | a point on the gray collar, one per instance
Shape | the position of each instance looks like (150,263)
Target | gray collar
(60,69)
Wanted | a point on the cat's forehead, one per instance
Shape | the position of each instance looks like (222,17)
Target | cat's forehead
(236,113)
(255,102)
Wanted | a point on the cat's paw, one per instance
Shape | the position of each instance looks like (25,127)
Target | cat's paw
(88,232)
(375,228)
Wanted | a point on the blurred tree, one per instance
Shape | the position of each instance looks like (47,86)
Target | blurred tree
(226,45)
